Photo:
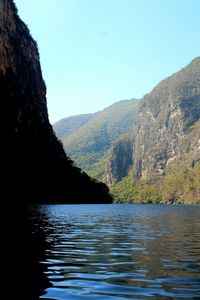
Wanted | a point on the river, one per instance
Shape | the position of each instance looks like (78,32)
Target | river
(115,252)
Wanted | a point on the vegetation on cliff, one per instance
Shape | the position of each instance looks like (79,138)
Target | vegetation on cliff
(181,185)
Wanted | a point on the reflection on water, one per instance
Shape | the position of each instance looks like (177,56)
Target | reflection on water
(23,275)
(116,252)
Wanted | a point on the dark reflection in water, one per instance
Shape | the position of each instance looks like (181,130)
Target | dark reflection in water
(24,248)
(115,252)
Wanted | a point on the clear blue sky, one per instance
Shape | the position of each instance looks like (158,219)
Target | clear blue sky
(96,52)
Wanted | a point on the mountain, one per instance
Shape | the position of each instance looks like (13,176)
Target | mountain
(89,145)
(166,133)
(64,127)
(34,165)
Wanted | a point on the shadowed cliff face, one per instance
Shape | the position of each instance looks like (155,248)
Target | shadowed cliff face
(34,165)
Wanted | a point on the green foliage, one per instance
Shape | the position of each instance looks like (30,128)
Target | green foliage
(93,164)
(127,191)
(180,186)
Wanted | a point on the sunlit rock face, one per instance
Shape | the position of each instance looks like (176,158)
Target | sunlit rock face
(166,131)
(34,165)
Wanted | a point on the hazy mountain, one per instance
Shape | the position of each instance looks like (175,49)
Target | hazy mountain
(64,127)
(88,146)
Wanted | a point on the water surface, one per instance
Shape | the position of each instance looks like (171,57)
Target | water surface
(119,251)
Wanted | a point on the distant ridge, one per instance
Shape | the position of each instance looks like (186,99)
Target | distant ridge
(88,144)
(69,125)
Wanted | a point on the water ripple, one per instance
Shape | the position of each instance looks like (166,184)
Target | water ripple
(122,252)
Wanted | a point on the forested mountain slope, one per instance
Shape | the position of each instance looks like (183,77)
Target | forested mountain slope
(88,146)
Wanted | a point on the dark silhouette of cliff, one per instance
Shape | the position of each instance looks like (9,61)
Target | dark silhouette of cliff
(34,166)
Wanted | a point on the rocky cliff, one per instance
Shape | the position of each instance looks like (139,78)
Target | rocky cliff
(33,163)
(120,159)
(166,131)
